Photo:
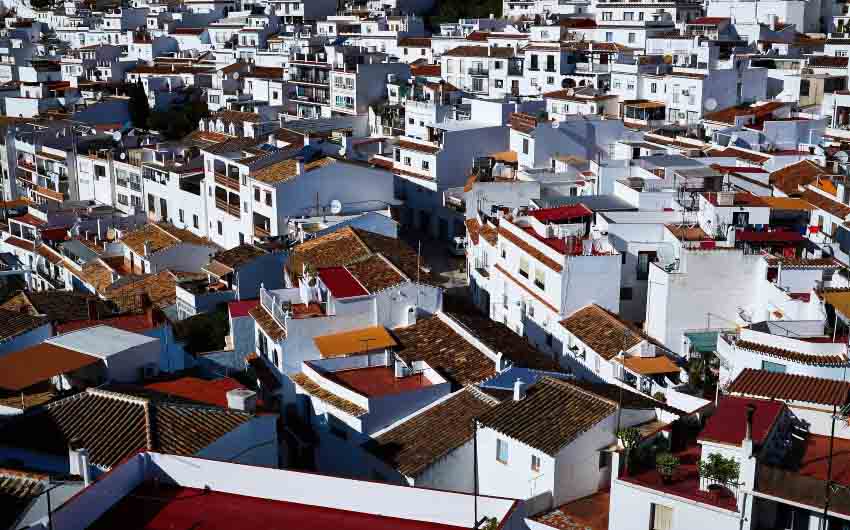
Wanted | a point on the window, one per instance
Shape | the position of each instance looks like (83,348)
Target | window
(220,228)
(609,36)
(245,206)
(632,37)
(768,366)
(497,65)
(501,451)
(523,266)
(606,15)
(540,278)
(525,146)
(256,194)
(661,517)
(550,63)
(550,80)
(625,293)
(268,198)
(628,15)
(411,121)
(644,259)
(195,221)
(151,203)
(534,65)
(499,83)
(653,87)
(425,165)
(604,459)
(532,81)
(407,161)
(535,463)
(181,215)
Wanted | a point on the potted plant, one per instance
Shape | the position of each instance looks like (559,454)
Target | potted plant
(666,465)
(720,472)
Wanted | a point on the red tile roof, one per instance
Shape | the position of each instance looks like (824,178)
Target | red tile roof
(199,390)
(790,387)
(708,21)
(561,214)
(341,283)
(728,424)
(241,308)
(24,368)
(29,219)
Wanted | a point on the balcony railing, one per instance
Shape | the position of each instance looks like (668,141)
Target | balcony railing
(278,309)
(227,181)
(224,206)
(305,98)
(260,232)
(478,70)
(316,80)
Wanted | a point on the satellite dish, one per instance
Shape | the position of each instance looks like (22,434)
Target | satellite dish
(122,156)
(842,157)
(116,136)
(336,207)
(556,124)
(110,234)
(235,75)
(710,104)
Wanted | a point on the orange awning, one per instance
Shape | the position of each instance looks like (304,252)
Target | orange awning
(356,341)
(649,365)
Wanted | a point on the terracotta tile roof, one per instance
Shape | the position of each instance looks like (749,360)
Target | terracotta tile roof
(530,250)
(20,243)
(348,246)
(158,289)
(688,233)
(790,387)
(310,387)
(160,236)
(602,331)
(830,206)
(267,323)
(421,148)
(729,114)
(113,426)
(473,229)
(233,116)
(28,219)
(629,398)
(265,72)
(433,341)
(791,178)
(480,51)
(237,256)
(375,273)
(278,172)
(524,123)
(18,490)
(57,306)
(797,263)
(14,323)
(426,70)
(552,414)
(740,154)
(24,368)
(498,337)
(728,424)
(412,446)
(97,274)
(797,357)
(230,145)
(354,341)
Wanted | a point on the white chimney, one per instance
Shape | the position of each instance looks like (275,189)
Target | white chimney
(242,399)
(519,390)
(78,459)
(147,248)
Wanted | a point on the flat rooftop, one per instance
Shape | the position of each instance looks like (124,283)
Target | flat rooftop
(100,341)
(162,507)
(378,381)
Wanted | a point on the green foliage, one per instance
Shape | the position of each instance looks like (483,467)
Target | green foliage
(629,437)
(452,10)
(140,110)
(666,463)
(178,121)
(659,396)
(720,469)
(204,332)
(491,524)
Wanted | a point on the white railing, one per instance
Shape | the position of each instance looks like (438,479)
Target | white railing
(279,310)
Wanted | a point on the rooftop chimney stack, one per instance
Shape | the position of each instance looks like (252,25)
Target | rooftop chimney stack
(519,390)
(78,458)
(747,444)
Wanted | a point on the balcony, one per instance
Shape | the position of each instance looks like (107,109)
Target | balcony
(224,206)
(479,71)
(261,232)
(26,165)
(227,181)
(310,79)
(306,98)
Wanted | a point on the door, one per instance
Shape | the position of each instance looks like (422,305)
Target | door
(515,87)
(163,209)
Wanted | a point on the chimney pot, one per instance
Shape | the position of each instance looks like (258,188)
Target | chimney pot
(519,390)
